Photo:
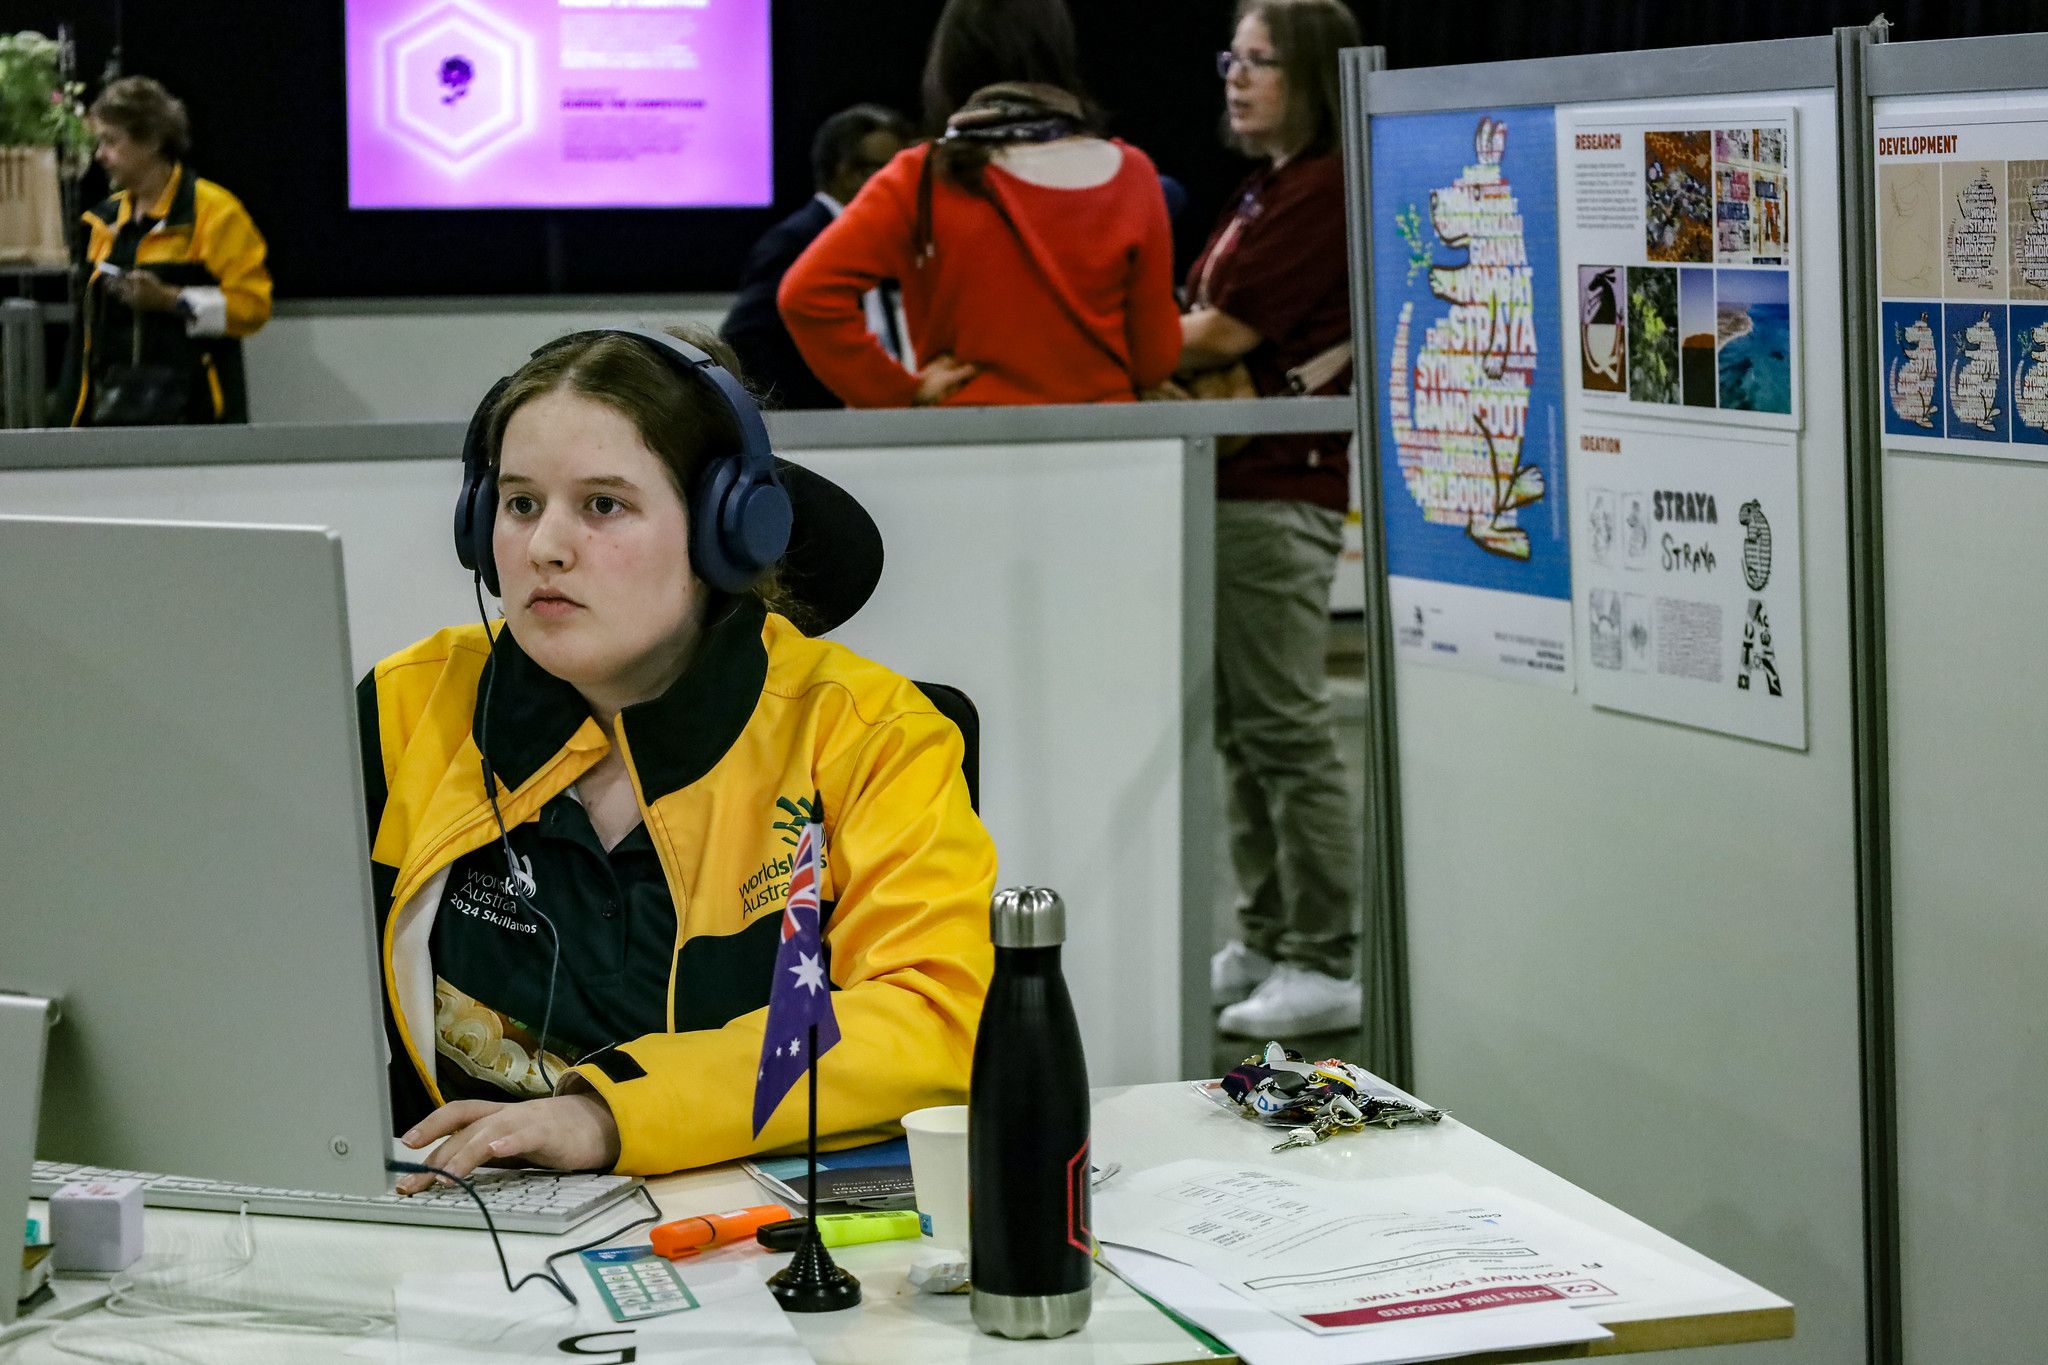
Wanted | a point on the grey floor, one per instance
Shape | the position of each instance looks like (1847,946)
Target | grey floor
(1347,694)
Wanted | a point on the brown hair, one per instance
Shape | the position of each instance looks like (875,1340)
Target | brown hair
(677,419)
(145,111)
(979,43)
(1307,35)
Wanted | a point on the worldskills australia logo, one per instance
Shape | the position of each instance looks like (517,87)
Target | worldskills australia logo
(769,884)
(455,84)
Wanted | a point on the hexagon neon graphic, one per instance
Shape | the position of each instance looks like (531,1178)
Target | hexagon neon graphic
(499,101)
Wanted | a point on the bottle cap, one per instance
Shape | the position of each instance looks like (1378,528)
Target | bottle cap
(1027,917)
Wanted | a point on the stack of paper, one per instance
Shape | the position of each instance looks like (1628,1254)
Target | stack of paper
(1297,1268)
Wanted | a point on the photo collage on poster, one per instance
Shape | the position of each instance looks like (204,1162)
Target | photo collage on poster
(1683,423)
(1678,241)
(1962,237)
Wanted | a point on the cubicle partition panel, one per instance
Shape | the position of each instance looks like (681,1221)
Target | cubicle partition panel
(1056,564)
(1960,138)
(425,360)
(1602,299)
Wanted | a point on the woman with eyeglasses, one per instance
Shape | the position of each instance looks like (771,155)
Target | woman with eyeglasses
(1270,314)
(1034,253)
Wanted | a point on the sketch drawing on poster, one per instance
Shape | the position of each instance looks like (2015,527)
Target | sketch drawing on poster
(1962,242)
(1466,310)
(1601,526)
(1695,616)
(1700,246)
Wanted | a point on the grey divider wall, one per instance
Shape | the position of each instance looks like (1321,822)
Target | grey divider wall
(1383,948)
(1632,948)
(1966,600)
(382,360)
(1055,563)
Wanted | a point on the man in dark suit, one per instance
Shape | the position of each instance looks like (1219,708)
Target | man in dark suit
(850,146)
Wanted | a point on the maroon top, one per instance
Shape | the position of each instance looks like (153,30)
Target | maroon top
(1278,264)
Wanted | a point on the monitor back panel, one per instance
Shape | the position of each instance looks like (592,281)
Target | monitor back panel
(183,852)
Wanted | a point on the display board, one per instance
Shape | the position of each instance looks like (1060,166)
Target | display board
(558,104)
(1612,922)
(1682,327)
(1962,244)
(1471,432)
(1960,137)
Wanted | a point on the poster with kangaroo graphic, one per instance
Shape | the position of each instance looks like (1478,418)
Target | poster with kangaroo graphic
(1962,270)
(1471,421)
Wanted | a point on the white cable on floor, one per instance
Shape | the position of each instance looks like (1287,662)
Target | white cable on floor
(152,1303)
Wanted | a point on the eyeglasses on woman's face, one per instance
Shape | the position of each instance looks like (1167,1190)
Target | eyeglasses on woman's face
(1255,62)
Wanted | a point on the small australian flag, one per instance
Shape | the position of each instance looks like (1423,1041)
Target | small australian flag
(801,995)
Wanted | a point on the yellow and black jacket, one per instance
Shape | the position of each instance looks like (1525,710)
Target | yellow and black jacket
(198,239)
(762,713)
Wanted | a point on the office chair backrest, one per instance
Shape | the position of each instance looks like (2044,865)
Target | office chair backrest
(954,705)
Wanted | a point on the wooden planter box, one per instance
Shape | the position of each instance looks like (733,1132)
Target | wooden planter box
(31,209)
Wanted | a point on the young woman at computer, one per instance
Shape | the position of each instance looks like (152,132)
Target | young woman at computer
(657,730)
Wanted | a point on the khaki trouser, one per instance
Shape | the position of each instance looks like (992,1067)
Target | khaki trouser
(1295,833)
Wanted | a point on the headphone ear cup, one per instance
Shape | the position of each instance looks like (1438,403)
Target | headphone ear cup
(483,522)
(759,517)
(738,525)
(707,534)
(476,505)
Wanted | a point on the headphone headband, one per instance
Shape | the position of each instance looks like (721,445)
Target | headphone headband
(740,515)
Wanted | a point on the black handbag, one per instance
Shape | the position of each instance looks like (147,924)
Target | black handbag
(139,395)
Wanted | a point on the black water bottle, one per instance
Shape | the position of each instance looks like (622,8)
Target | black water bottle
(1032,1262)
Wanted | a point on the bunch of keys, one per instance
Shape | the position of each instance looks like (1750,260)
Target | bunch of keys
(1341,1115)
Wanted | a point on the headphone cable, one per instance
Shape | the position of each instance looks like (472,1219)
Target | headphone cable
(519,881)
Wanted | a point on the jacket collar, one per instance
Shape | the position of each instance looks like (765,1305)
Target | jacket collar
(172,209)
(529,714)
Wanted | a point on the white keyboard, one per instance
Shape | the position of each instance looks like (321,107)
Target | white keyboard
(520,1201)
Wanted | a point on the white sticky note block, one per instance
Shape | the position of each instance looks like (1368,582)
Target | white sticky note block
(97,1224)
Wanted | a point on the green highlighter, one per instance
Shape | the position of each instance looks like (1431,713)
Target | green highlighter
(841,1229)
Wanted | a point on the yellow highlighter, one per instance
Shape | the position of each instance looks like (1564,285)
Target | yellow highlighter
(841,1229)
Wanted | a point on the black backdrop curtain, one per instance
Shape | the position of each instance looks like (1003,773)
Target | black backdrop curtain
(263,80)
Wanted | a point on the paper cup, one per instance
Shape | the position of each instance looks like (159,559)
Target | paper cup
(938,1173)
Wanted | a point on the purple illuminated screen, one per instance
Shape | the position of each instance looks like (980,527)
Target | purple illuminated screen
(558,104)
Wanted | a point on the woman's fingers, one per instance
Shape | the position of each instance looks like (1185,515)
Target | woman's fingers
(447,1119)
(570,1132)
(464,1124)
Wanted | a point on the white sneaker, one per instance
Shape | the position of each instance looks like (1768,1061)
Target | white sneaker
(1295,1000)
(1235,971)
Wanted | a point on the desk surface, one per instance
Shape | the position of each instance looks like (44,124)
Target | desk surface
(345,1266)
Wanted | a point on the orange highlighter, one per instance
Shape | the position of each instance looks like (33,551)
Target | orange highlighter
(688,1236)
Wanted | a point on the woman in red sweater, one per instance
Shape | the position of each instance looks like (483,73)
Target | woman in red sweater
(1034,258)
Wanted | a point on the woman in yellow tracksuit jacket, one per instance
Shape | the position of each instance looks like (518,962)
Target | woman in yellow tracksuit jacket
(656,747)
(192,278)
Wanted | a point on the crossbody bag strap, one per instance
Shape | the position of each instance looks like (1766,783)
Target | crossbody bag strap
(1057,285)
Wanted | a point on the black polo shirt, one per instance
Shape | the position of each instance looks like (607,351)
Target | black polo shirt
(617,923)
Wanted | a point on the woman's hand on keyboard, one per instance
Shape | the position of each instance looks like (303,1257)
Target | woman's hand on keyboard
(567,1132)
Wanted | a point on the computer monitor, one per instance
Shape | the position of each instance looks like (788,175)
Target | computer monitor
(183,858)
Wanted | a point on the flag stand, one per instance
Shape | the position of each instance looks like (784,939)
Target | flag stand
(812,1282)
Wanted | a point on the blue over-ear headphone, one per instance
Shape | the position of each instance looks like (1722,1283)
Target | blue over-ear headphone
(740,514)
